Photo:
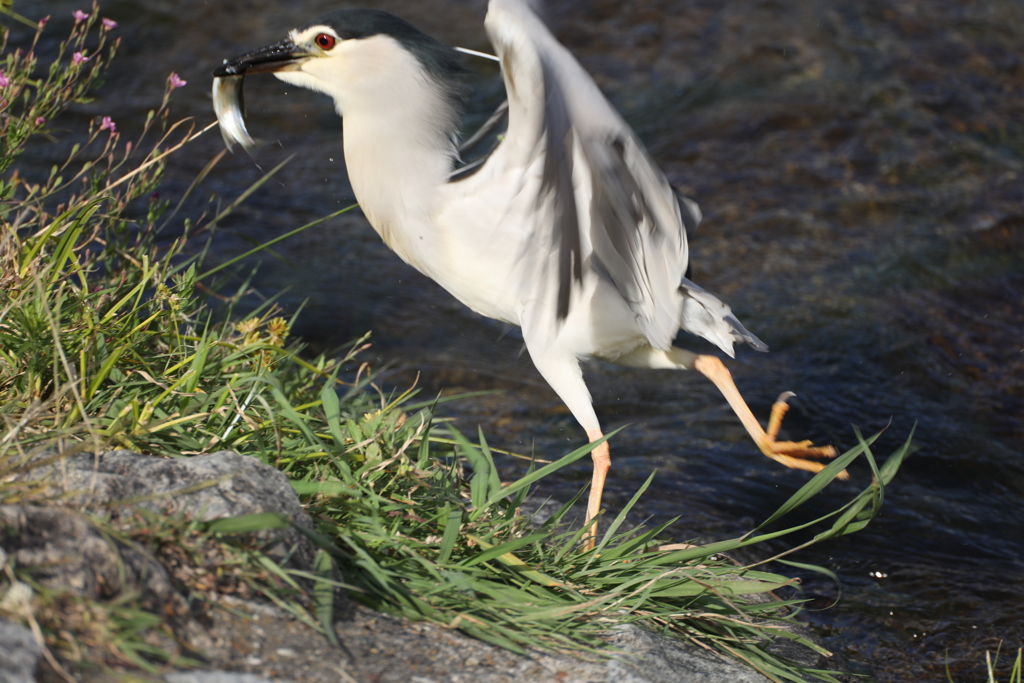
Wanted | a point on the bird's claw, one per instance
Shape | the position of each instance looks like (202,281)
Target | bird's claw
(793,454)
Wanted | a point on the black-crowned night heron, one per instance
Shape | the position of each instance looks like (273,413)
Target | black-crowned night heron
(568,229)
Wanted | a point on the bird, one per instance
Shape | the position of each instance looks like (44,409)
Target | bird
(567,228)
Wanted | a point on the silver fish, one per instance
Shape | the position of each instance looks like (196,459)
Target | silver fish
(229,107)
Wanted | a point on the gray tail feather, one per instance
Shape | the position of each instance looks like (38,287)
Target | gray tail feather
(705,316)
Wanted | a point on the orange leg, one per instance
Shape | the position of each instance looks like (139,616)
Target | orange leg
(602,458)
(789,453)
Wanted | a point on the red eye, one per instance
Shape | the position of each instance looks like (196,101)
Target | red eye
(325,41)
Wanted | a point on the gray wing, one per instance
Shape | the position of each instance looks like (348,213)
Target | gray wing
(614,211)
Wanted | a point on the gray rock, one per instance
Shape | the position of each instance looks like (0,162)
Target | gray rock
(64,551)
(19,653)
(205,487)
(434,653)
(217,677)
(386,649)
(653,659)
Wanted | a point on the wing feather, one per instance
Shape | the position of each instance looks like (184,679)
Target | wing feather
(613,209)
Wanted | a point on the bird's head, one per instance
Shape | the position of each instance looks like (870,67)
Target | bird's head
(362,58)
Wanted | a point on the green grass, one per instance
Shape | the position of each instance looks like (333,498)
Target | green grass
(1016,674)
(1016,668)
(107,340)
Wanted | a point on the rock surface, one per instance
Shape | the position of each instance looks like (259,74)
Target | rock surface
(215,677)
(66,552)
(252,642)
(19,653)
(379,648)
(204,487)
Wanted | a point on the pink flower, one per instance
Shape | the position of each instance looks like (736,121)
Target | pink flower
(40,120)
(4,81)
(78,58)
(42,22)
(108,24)
(108,124)
(79,15)
(176,81)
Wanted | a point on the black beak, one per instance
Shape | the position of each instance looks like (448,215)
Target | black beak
(281,56)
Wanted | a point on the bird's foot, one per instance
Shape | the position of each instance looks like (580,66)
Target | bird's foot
(793,454)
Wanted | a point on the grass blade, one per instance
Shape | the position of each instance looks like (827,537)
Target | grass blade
(323,595)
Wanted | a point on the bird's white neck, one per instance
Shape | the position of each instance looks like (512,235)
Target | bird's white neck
(396,167)
(399,146)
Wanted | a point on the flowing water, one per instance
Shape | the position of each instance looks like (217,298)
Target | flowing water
(860,169)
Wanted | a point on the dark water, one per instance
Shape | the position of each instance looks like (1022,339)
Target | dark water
(860,168)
